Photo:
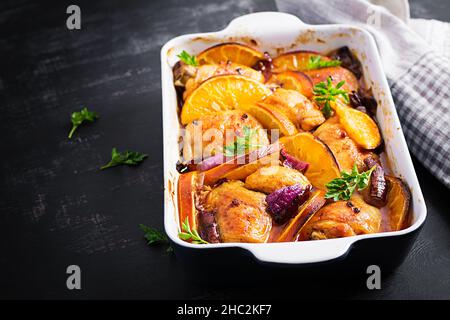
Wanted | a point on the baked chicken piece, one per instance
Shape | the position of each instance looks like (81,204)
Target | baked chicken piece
(269,179)
(208,135)
(344,149)
(342,219)
(240,213)
(300,110)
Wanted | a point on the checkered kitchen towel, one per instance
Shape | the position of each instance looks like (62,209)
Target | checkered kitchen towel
(415,57)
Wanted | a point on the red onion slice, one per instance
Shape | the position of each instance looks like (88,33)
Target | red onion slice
(283,203)
(293,163)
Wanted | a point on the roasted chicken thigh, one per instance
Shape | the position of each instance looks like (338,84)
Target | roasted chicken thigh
(300,110)
(269,179)
(342,219)
(240,213)
(208,135)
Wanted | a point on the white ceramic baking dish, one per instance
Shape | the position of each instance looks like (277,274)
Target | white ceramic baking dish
(276,32)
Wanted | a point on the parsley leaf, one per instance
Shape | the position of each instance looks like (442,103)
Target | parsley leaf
(154,236)
(316,62)
(79,117)
(188,234)
(130,158)
(242,143)
(342,188)
(187,58)
(324,93)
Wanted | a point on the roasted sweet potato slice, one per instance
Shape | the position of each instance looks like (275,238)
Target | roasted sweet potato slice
(293,80)
(359,126)
(337,75)
(305,212)
(398,202)
(322,165)
(187,188)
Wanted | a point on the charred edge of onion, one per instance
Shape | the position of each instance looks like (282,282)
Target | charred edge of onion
(208,227)
(376,193)
(265,66)
(364,98)
(348,61)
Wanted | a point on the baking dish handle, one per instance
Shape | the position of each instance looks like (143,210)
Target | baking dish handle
(264,22)
(302,252)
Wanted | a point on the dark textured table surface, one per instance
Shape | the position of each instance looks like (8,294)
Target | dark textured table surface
(58,209)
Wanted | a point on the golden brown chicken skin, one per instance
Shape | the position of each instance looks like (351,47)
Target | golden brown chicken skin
(269,179)
(300,110)
(344,149)
(342,219)
(240,213)
(208,135)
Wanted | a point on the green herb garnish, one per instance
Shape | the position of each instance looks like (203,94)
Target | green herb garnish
(324,93)
(342,188)
(242,143)
(79,117)
(316,62)
(188,234)
(187,58)
(154,236)
(130,158)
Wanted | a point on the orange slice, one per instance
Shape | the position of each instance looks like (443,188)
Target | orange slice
(294,61)
(222,93)
(231,51)
(207,71)
(305,212)
(359,126)
(322,165)
(293,80)
(271,118)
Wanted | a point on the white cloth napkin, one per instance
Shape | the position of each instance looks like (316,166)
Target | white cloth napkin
(415,58)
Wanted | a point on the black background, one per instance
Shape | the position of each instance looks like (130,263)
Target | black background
(57,208)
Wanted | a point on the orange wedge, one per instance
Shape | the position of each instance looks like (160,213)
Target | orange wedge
(293,80)
(222,93)
(322,165)
(231,51)
(294,61)
(359,126)
(305,212)
(271,118)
